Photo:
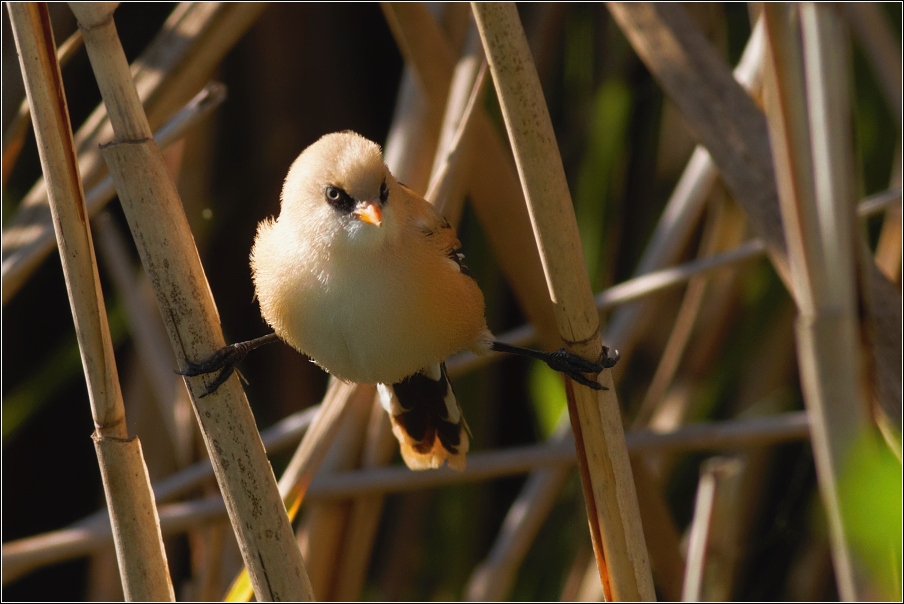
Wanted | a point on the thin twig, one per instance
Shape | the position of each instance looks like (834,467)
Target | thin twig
(712,546)
(32,552)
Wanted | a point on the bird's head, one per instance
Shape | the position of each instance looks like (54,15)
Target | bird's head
(339,190)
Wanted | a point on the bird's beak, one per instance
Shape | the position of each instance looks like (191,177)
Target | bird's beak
(369,212)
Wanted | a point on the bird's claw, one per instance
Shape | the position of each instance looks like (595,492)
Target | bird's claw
(224,360)
(575,366)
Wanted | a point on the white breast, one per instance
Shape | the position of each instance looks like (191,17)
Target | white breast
(371,318)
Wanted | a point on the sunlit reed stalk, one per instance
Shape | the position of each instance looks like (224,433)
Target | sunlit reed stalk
(808,115)
(605,471)
(166,246)
(14,135)
(136,531)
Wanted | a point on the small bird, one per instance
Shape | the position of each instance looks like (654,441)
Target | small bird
(367,278)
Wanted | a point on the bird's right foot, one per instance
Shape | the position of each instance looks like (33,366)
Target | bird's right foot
(224,360)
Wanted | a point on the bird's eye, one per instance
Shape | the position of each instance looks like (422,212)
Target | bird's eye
(339,199)
(384,192)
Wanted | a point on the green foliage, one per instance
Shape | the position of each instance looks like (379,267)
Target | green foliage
(871,504)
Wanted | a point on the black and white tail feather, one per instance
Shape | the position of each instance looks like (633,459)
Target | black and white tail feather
(427,419)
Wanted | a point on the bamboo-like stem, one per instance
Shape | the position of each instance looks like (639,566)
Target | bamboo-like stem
(674,228)
(612,510)
(14,135)
(168,73)
(322,528)
(26,554)
(139,547)
(451,166)
(734,130)
(672,231)
(808,124)
(294,482)
(149,334)
(154,211)
(712,547)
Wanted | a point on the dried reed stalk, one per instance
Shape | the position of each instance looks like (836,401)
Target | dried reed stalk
(616,529)
(734,130)
(14,136)
(34,242)
(712,549)
(321,531)
(136,531)
(451,165)
(146,327)
(671,234)
(93,532)
(168,73)
(154,211)
(294,482)
(807,108)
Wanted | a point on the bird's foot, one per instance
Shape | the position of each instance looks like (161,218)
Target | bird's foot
(575,366)
(224,360)
(566,362)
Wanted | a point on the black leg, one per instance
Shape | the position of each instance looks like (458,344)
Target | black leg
(224,360)
(561,360)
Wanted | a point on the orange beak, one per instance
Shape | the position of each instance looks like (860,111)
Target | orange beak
(369,212)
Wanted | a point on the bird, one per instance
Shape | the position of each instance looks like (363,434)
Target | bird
(367,279)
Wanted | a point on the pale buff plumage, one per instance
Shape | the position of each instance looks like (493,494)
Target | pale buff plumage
(367,303)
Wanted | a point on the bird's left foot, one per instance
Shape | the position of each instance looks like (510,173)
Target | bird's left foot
(566,362)
(575,366)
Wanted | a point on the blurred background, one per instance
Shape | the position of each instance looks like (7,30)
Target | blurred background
(304,70)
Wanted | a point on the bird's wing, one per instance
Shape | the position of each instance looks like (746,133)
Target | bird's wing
(434,226)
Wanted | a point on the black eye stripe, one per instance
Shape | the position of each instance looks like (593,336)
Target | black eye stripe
(339,199)
(384,192)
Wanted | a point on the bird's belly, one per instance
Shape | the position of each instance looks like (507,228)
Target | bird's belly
(366,330)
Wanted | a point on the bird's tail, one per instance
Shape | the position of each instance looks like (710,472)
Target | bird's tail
(427,419)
